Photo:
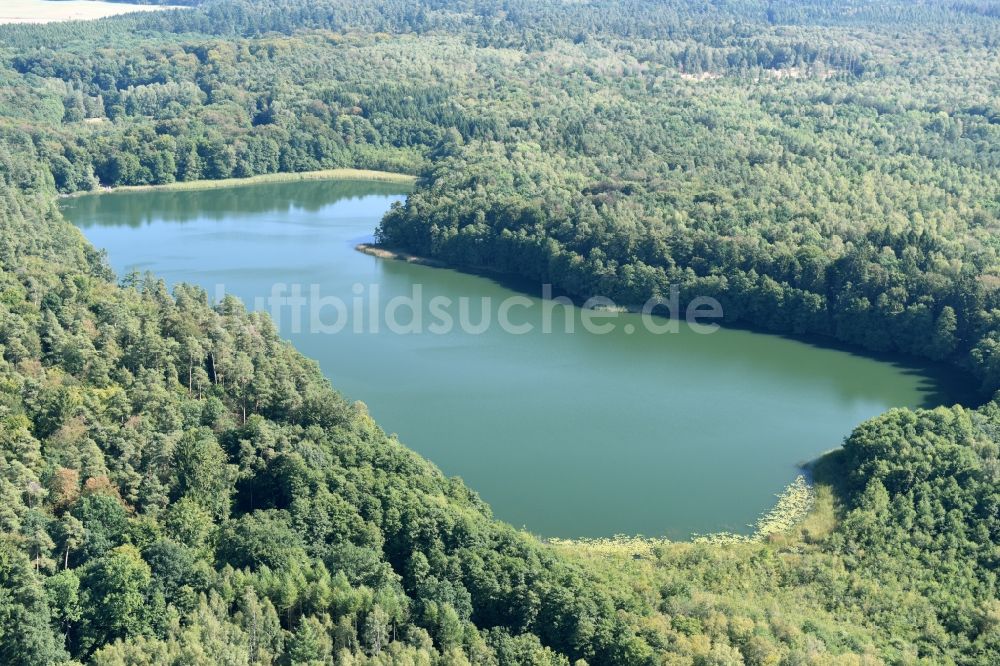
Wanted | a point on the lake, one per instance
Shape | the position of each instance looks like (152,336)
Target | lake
(566,434)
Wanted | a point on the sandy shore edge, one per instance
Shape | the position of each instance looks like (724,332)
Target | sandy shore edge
(325,174)
(383,252)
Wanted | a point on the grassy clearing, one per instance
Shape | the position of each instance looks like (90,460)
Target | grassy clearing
(325,174)
(49,11)
(800,505)
(793,506)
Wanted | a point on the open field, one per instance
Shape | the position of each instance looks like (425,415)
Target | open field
(48,11)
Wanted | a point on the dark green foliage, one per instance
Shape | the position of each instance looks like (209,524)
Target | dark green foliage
(104,521)
(27,631)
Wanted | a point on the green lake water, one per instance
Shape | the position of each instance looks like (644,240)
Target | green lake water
(568,435)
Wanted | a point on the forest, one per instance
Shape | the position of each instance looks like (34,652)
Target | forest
(180,486)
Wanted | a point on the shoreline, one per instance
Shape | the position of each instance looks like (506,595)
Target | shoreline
(283,177)
(386,252)
(383,252)
(799,501)
(952,380)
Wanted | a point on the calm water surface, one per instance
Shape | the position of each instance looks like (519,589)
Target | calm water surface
(567,435)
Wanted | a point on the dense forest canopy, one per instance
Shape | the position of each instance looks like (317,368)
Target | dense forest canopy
(179,486)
